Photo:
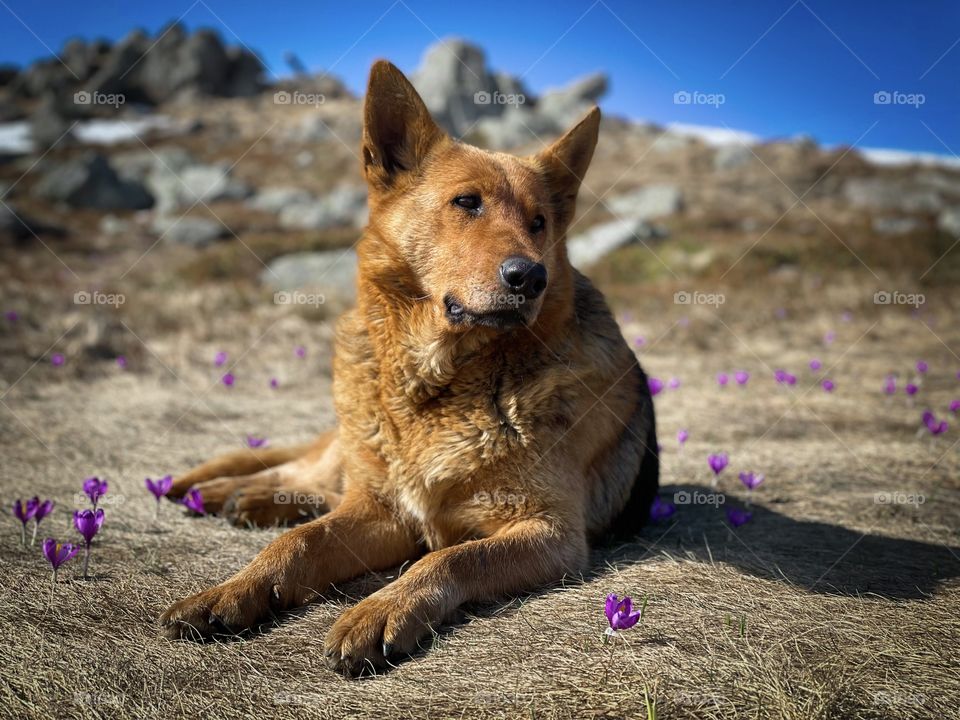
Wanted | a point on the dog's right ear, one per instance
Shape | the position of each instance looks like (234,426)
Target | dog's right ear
(398,132)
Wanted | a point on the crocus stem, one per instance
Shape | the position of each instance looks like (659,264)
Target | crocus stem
(23,534)
(156,510)
(33,540)
(86,562)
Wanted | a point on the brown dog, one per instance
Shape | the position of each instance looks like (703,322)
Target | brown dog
(492,418)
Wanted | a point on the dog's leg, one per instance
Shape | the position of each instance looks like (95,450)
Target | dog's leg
(361,535)
(528,554)
(247,462)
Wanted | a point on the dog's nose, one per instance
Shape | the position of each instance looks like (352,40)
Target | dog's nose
(523,277)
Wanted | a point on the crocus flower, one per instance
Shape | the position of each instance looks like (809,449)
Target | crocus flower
(87,523)
(300,351)
(158,488)
(738,517)
(890,385)
(255,442)
(847,316)
(228,379)
(58,554)
(751,480)
(95,488)
(911,389)
(57,359)
(24,512)
(121,362)
(718,462)
(828,385)
(682,436)
(620,613)
(12,316)
(220,359)
(193,500)
(955,406)
(829,337)
(922,366)
(742,377)
(661,509)
(815,364)
(674,383)
(722,379)
(936,427)
(640,341)
(274,383)
(42,510)
(655,385)
(790,379)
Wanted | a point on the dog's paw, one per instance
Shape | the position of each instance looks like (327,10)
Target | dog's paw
(388,624)
(223,610)
(267,506)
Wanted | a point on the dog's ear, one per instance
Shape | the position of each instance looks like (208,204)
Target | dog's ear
(398,132)
(565,163)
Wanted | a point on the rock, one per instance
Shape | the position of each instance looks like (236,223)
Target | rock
(568,105)
(949,221)
(113,225)
(517,126)
(345,206)
(49,127)
(648,202)
(8,73)
(10,111)
(190,231)
(670,142)
(175,188)
(731,157)
(139,164)
(244,75)
(14,225)
(330,272)
(889,194)
(895,225)
(275,199)
(90,182)
(586,248)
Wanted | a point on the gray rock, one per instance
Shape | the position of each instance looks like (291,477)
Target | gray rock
(587,248)
(880,193)
(90,182)
(345,206)
(895,225)
(648,202)
(731,157)
(949,221)
(176,188)
(49,126)
(331,272)
(139,164)
(190,231)
(15,225)
(568,105)
(275,199)
(517,126)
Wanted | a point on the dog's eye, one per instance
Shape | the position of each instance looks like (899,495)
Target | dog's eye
(468,202)
(539,222)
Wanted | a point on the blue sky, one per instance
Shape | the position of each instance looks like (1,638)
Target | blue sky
(783,67)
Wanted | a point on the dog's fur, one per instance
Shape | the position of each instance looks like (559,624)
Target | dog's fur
(484,440)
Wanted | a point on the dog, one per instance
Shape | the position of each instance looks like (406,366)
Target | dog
(493,422)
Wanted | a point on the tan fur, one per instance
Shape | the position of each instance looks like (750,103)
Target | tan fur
(498,451)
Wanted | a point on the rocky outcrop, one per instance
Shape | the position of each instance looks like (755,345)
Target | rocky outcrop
(91,182)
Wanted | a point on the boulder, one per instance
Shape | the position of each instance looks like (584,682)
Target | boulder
(275,199)
(648,202)
(891,194)
(49,127)
(587,248)
(176,188)
(731,157)
(345,206)
(895,225)
(190,231)
(330,272)
(949,221)
(90,182)
(568,105)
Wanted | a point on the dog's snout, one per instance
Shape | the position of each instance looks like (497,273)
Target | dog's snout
(523,277)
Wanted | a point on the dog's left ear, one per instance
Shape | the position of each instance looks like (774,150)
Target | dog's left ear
(398,132)
(565,163)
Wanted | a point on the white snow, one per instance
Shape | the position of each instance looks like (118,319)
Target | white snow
(15,136)
(715,136)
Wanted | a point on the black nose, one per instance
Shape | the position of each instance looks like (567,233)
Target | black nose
(523,277)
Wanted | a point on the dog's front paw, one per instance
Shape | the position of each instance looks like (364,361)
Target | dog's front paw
(226,609)
(389,623)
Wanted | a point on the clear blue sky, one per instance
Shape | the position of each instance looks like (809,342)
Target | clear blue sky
(783,67)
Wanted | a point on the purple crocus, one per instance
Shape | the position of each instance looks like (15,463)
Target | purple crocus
(751,480)
(274,383)
(674,383)
(742,377)
(12,316)
(121,362)
(87,523)
(737,516)
(158,488)
(95,488)
(815,364)
(620,613)
(718,462)
(661,510)
(890,385)
(829,337)
(722,379)
(58,554)
(955,406)
(911,389)
(193,501)
(42,510)
(24,512)
(828,385)
(228,379)
(922,366)
(682,437)
(57,359)
(300,351)
(220,359)
(255,442)
(936,427)
(655,385)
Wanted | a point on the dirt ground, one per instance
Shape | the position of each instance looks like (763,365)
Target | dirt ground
(840,599)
